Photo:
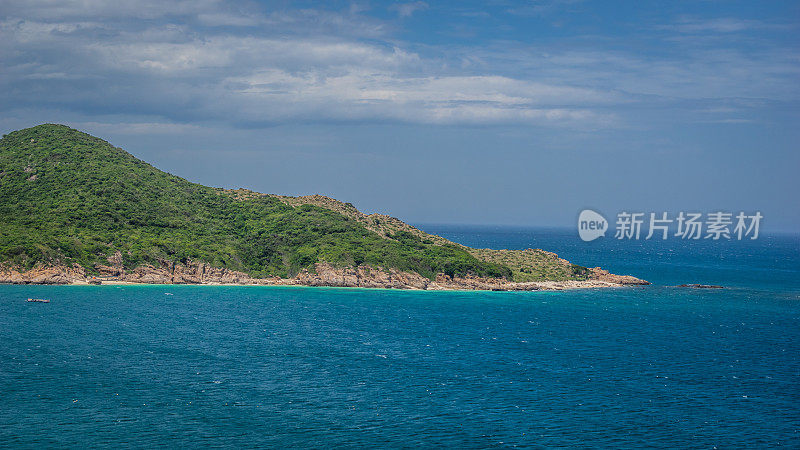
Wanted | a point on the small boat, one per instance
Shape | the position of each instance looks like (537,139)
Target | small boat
(39,300)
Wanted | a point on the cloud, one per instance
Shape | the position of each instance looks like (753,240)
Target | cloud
(217,19)
(137,128)
(237,64)
(66,10)
(722,25)
(365,95)
(173,71)
(541,7)
(408,9)
(688,71)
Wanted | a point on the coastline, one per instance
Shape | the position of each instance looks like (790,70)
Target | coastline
(323,275)
(545,286)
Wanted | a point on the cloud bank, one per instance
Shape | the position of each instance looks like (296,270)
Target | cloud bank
(247,64)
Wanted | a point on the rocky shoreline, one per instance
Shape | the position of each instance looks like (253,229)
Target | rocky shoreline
(324,275)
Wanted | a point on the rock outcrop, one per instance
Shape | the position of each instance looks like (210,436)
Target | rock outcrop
(168,272)
(361,276)
(197,272)
(40,274)
(603,275)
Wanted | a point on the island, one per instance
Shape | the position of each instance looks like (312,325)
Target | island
(74,209)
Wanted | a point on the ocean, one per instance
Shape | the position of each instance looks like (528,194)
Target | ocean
(191,366)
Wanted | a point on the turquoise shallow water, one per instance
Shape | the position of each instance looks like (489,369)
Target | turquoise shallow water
(259,366)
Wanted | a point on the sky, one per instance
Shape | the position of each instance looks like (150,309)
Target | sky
(486,112)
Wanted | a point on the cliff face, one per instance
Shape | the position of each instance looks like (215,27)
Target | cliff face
(43,275)
(168,273)
(195,272)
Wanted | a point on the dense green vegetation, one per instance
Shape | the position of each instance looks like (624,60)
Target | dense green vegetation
(66,196)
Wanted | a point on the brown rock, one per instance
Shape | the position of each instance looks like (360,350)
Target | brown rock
(108,271)
(198,272)
(116,259)
(604,275)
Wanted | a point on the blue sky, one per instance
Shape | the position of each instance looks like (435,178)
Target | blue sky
(493,112)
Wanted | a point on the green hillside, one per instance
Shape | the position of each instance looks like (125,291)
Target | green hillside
(66,197)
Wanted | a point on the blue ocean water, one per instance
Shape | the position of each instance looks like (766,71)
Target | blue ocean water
(191,366)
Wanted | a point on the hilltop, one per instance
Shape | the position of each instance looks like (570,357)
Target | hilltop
(73,207)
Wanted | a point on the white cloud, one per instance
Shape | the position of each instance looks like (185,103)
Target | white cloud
(69,10)
(228,19)
(252,78)
(542,7)
(191,61)
(691,72)
(136,128)
(408,9)
(364,95)
(693,25)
